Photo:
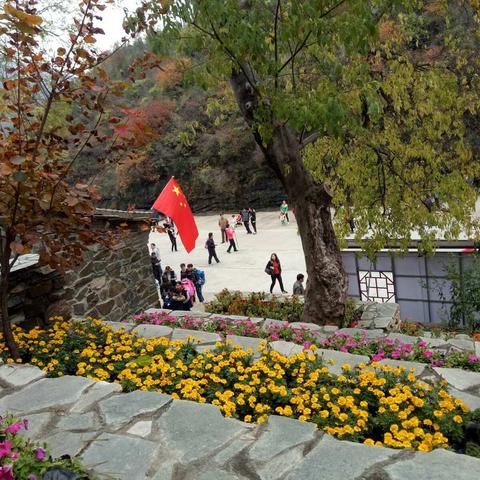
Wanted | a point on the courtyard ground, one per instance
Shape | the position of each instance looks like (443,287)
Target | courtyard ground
(242,270)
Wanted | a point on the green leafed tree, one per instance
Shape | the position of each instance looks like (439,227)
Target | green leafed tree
(360,107)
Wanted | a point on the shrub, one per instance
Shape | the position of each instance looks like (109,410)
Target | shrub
(226,302)
(374,404)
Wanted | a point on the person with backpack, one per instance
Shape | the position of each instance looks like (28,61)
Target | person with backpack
(274,269)
(198,279)
(210,246)
(230,233)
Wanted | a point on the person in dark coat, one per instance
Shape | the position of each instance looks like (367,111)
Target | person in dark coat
(274,269)
(253,219)
(156,267)
(246,220)
(210,246)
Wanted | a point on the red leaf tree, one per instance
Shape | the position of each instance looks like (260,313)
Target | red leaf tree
(54,108)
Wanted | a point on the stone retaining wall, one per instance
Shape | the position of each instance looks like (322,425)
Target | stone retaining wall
(110,283)
(147,435)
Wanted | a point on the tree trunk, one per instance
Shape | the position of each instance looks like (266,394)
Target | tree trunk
(6,326)
(327,284)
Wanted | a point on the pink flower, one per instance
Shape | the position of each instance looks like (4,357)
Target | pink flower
(422,344)
(427,353)
(14,427)
(274,336)
(6,472)
(40,454)
(306,345)
(5,449)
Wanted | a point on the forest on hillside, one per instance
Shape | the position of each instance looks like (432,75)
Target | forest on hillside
(191,132)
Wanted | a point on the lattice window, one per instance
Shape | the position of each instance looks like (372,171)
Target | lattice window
(376,286)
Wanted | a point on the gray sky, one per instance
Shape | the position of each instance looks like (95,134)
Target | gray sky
(112,22)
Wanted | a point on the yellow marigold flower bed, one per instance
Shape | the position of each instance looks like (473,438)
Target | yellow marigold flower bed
(376,405)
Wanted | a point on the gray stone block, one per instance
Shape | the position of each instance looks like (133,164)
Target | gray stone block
(97,392)
(270,321)
(159,311)
(246,343)
(80,422)
(313,327)
(339,460)
(419,367)
(230,318)
(193,313)
(280,434)
(439,465)
(57,393)
(128,327)
(120,410)
(19,375)
(234,448)
(467,345)
(369,333)
(198,336)
(36,424)
(459,379)
(119,456)
(329,328)
(192,431)
(286,348)
(404,338)
(153,331)
(340,358)
(68,443)
(141,429)
(384,323)
(217,474)
(472,401)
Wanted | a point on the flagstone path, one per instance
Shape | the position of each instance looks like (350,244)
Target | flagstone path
(147,435)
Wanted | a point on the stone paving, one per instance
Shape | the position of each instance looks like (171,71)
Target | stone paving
(146,435)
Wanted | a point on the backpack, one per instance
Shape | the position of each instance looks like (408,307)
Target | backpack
(201,277)
(189,286)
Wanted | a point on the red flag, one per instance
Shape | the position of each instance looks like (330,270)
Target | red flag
(172,202)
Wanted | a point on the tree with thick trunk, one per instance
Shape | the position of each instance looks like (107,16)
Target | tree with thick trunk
(352,110)
(326,284)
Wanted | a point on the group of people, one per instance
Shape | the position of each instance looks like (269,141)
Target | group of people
(178,293)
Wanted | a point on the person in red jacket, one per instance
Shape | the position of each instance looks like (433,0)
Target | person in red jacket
(230,233)
(274,269)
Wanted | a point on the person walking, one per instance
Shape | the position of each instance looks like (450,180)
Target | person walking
(223,224)
(274,269)
(173,237)
(246,220)
(230,232)
(284,210)
(210,246)
(253,219)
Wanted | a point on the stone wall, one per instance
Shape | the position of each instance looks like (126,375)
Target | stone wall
(110,283)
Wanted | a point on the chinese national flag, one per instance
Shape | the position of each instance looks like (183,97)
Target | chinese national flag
(172,202)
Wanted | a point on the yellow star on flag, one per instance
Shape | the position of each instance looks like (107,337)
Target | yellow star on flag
(176,190)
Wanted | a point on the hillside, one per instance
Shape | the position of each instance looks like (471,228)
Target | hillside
(213,155)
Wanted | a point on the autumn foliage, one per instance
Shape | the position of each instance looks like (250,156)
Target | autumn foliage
(55,108)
